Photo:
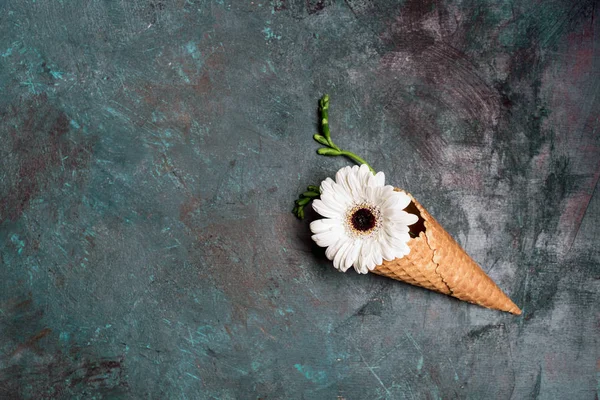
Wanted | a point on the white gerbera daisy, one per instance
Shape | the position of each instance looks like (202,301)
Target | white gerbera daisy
(365,222)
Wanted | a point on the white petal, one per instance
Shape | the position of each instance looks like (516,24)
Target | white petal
(396,234)
(334,193)
(341,192)
(370,261)
(325,239)
(385,237)
(357,250)
(406,249)
(334,249)
(368,195)
(335,202)
(387,251)
(375,180)
(404,199)
(402,250)
(364,175)
(325,210)
(364,170)
(327,232)
(325,225)
(363,266)
(400,217)
(411,218)
(331,198)
(327,185)
(384,193)
(350,256)
(379,179)
(355,186)
(341,254)
(368,256)
(380,195)
(376,253)
(391,198)
(388,199)
(341,178)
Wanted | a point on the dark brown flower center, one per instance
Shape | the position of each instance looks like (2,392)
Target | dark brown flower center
(363,220)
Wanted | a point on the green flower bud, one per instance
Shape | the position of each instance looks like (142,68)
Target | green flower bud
(321,139)
(303,201)
(311,194)
(326,151)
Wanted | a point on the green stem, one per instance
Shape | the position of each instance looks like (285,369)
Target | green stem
(314,192)
(332,149)
(357,159)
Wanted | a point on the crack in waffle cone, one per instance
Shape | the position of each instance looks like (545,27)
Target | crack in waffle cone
(437,262)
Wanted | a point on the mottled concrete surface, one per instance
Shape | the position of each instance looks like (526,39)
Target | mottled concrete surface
(152,150)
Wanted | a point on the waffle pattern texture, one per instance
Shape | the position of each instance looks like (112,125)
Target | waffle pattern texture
(437,262)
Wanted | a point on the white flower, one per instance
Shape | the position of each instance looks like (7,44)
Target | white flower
(365,222)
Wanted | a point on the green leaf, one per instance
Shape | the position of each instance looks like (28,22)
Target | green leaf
(314,188)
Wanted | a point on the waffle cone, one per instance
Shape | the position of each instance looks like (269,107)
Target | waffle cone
(437,262)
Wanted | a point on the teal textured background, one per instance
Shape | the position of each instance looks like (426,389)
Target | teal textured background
(152,150)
